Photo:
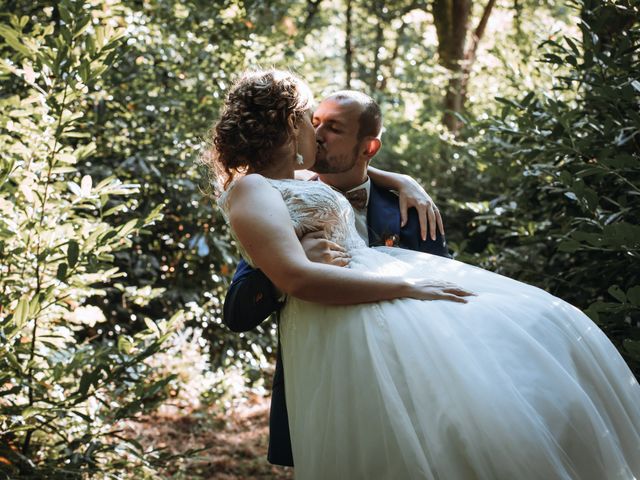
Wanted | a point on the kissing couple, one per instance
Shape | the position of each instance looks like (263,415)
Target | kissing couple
(400,363)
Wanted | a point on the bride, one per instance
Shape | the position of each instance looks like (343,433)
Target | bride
(493,379)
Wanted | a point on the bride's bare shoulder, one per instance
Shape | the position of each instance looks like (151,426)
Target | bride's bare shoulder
(253,193)
(252,183)
(252,180)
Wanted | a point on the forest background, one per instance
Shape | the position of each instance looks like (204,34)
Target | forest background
(520,118)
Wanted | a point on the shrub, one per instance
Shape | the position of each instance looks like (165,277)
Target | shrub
(63,386)
(566,173)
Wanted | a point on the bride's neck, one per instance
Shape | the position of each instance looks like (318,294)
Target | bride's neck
(279,166)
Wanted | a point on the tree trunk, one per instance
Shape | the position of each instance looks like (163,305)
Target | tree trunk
(377,8)
(348,49)
(451,18)
(470,55)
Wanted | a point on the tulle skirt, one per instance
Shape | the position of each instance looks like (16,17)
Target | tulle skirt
(515,384)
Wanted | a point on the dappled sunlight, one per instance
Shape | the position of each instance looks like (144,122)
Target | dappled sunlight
(115,260)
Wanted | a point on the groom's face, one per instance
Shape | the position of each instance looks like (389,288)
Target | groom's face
(337,123)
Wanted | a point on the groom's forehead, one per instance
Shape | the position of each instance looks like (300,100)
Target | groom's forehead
(338,110)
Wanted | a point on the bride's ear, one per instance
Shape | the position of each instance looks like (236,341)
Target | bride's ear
(292,123)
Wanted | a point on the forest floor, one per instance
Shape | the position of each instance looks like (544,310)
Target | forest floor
(232,445)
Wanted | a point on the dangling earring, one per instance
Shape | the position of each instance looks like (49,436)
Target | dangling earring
(299,158)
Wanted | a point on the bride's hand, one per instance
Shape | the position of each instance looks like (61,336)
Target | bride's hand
(423,289)
(320,250)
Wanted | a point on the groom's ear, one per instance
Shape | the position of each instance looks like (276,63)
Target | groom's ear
(372,146)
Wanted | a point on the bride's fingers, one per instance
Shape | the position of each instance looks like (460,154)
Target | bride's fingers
(340,259)
(460,291)
(451,297)
(334,247)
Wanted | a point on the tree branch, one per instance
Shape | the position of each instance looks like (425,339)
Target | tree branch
(478,33)
(394,55)
(312,10)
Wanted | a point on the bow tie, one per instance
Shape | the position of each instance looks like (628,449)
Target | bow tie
(357,198)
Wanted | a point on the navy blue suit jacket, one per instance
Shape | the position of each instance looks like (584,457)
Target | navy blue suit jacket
(252,298)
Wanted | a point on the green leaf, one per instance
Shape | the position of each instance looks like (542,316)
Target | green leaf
(125,345)
(64,12)
(616,292)
(569,246)
(573,46)
(152,326)
(61,273)
(12,38)
(73,252)
(30,412)
(155,214)
(633,347)
(633,295)
(553,58)
(12,360)
(82,26)
(128,228)
(87,379)
(21,313)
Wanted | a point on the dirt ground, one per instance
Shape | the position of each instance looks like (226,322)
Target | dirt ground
(234,444)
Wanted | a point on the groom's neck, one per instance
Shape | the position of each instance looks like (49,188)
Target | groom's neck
(346,180)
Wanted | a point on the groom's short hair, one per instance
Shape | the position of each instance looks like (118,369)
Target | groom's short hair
(370,118)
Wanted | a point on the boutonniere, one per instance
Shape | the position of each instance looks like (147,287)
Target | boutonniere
(391,240)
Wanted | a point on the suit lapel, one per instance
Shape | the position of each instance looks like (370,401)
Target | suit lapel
(383,216)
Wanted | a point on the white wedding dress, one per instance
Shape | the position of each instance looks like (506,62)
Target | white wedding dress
(515,384)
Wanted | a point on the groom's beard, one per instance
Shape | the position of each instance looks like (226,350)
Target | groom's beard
(334,164)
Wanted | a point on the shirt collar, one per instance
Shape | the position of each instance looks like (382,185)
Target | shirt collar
(366,185)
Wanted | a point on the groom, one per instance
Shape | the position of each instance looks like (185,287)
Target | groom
(348,126)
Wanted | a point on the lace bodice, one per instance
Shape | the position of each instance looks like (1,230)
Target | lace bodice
(313,206)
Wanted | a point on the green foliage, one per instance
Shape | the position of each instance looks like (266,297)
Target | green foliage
(164,91)
(63,387)
(566,175)
(106,105)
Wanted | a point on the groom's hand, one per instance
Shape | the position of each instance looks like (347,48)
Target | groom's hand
(321,250)
(413,195)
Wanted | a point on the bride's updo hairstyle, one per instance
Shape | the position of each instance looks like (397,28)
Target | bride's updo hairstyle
(253,123)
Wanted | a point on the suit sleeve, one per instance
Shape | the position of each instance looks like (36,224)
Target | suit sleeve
(250,300)
(411,237)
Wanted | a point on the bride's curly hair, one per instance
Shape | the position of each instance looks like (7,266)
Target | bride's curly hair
(254,123)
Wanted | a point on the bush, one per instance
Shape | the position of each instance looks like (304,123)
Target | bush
(566,173)
(63,387)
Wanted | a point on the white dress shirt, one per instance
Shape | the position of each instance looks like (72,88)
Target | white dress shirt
(361,214)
